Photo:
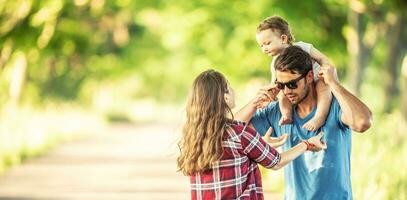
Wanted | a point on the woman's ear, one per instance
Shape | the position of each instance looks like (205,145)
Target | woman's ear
(229,97)
(226,97)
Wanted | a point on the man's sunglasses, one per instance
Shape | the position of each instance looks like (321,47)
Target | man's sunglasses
(290,84)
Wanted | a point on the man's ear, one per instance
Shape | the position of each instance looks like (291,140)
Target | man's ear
(310,76)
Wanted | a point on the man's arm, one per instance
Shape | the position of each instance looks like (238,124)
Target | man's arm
(355,113)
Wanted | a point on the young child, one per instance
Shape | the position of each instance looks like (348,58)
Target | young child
(274,35)
(220,154)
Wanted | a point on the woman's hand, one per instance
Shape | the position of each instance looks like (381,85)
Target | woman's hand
(275,141)
(266,95)
(316,143)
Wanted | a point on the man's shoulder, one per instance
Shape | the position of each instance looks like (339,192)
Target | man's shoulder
(335,103)
(266,117)
(335,113)
(272,110)
(335,107)
(272,107)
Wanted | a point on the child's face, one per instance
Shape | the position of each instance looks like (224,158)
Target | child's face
(271,43)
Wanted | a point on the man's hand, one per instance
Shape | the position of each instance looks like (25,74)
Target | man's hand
(317,143)
(266,95)
(274,141)
(328,74)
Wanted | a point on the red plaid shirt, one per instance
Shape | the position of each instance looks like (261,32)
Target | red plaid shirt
(236,175)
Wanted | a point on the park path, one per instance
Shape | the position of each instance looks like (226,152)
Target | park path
(121,162)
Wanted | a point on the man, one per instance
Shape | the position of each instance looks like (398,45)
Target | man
(314,175)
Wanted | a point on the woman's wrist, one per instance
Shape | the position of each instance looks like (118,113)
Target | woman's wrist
(308,144)
(304,144)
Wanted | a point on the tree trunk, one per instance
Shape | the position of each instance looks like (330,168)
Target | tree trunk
(358,52)
(392,63)
(404,87)
(6,51)
(17,78)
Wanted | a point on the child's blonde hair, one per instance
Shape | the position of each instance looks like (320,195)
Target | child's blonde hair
(277,24)
(201,142)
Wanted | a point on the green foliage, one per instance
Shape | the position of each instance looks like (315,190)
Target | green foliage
(378,159)
(68,43)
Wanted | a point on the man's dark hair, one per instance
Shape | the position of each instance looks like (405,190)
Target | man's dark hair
(295,60)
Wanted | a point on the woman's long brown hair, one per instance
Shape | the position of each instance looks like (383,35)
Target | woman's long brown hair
(201,142)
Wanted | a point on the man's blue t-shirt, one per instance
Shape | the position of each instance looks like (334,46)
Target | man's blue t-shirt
(313,175)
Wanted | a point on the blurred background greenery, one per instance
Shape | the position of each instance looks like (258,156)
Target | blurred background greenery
(70,66)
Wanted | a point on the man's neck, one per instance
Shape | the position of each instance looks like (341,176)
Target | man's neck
(307,105)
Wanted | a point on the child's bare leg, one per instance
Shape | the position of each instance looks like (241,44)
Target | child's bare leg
(324,98)
(285,108)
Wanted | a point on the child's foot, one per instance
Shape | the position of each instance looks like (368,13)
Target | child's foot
(313,124)
(285,120)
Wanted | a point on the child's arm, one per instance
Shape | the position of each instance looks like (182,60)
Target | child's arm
(319,57)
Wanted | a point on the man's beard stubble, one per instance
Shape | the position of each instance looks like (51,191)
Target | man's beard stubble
(304,97)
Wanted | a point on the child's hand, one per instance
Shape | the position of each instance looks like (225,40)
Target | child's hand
(328,74)
(275,141)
